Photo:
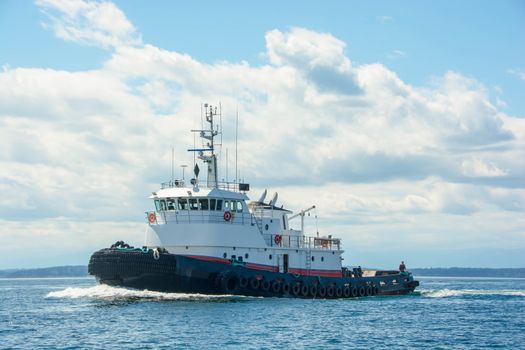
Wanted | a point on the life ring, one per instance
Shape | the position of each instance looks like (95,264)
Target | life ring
(227,216)
(277,239)
(152,217)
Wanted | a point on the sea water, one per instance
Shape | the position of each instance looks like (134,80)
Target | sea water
(446,313)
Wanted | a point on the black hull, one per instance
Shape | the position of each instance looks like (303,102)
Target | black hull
(181,274)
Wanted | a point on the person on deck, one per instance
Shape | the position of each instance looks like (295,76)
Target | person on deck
(402,266)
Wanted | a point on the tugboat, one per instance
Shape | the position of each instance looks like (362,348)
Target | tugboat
(210,239)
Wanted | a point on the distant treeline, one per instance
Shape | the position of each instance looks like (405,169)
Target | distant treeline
(56,271)
(81,271)
(469,272)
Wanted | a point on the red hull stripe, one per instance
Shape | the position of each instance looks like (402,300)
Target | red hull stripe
(304,272)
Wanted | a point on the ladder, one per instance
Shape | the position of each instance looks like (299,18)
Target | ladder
(308,261)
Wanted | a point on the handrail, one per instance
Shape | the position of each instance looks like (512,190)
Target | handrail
(200,216)
(308,242)
(224,185)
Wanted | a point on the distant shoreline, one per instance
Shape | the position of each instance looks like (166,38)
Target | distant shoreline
(81,271)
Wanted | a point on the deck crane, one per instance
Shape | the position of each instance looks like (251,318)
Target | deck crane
(301,214)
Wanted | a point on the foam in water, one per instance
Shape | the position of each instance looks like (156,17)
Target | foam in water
(106,292)
(444,293)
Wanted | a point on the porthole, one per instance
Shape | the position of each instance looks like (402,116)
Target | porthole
(233,248)
(224,255)
(313,258)
(266,227)
(322,258)
(246,256)
(333,253)
(270,256)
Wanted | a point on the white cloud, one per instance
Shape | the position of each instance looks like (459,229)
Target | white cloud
(396,54)
(372,151)
(476,167)
(385,19)
(520,73)
(89,22)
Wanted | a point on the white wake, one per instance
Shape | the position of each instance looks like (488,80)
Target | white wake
(445,293)
(105,292)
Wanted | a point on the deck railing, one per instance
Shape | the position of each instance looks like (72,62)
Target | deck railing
(201,216)
(223,185)
(308,242)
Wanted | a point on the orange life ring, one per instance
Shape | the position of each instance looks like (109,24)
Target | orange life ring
(152,217)
(227,216)
(277,239)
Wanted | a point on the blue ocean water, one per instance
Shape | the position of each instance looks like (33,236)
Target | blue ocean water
(447,313)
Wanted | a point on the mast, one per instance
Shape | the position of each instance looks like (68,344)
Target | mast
(207,153)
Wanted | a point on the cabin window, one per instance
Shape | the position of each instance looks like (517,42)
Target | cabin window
(239,206)
(171,203)
(219,204)
(284,223)
(162,204)
(157,205)
(226,205)
(212,203)
(203,204)
(182,203)
(193,204)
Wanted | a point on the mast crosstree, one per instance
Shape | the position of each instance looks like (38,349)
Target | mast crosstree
(207,153)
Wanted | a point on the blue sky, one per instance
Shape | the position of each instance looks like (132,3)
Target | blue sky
(403,122)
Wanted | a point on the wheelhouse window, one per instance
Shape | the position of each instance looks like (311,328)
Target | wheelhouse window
(239,206)
(162,205)
(227,205)
(219,204)
(203,204)
(212,203)
(170,202)
(193,204)
(182,203)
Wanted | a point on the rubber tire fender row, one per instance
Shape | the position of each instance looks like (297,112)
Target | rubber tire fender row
(321,291)
(313,290)
(362,291)
(265,285)
(276,286)
(296,289)
(286,288)
(338,292)
(305,290)
(255,283)
(243,282)
(347,292)
(229,282)
(368,291)
(330,291)
(354,292)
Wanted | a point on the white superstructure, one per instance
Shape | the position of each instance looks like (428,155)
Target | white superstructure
(215,222)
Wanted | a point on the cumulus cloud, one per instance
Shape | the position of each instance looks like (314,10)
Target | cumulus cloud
(371,150)
(476,167)
(92,23)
